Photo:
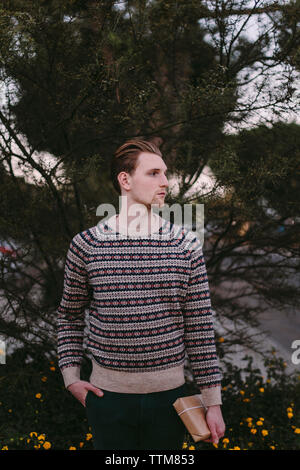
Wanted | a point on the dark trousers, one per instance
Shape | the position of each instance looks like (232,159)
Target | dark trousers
(136,421)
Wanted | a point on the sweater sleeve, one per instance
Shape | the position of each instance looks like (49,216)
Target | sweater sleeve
(199,330)
(70,314)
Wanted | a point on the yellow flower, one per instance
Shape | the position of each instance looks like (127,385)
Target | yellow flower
(192,448)
(37,446)
(259,423)
(46,445)
(297,431)
(33,434)
(184,446)
(246,400)
(41,437)
(72,448)
(262,419)
(272,447)
(289,410)
(253,430)
(221,339)
(236,448)
(225,440)
(264,432)
(38,395)
(261,389)
(81,444)
(43,379)
(290,415)
(52,368)
(242,392)
(224,388)
(215,445)
(89,436)
(4,448)
(249,420)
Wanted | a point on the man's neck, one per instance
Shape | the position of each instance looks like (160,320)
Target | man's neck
(138,225)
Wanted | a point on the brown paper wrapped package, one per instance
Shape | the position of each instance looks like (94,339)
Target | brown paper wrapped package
(192,413)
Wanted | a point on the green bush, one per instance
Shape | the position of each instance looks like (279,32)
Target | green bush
(260,413)
(34,402)
(36,412)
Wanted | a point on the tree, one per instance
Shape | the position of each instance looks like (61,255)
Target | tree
(80,78)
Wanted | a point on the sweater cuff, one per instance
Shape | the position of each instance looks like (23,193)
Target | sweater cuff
(70,375)
(211,396)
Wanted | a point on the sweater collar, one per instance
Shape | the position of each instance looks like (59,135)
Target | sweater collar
(156,224)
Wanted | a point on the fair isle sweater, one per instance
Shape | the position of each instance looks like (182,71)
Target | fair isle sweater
(141,303)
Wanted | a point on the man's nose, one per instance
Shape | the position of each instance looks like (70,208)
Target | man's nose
(165,181)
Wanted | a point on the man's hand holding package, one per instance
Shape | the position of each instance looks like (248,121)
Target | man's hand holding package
(215,423)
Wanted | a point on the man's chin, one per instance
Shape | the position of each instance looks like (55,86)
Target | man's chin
(159,202)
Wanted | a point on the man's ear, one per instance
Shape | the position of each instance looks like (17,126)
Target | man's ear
(124,180)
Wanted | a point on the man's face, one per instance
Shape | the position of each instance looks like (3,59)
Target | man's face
(148,181)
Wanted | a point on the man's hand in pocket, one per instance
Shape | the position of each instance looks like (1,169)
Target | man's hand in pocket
(80,389)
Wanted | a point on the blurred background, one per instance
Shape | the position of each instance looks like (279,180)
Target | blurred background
(215,84)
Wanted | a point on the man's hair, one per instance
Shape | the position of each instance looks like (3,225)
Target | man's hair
(126,156)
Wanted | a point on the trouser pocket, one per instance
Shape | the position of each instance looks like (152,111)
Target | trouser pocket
(87,397)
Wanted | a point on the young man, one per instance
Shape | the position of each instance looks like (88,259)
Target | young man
(145,290)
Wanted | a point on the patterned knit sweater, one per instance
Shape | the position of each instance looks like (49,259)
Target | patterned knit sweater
(138,305)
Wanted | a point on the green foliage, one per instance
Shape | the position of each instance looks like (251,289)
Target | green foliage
(260,412)
(268,157)
(34,399)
